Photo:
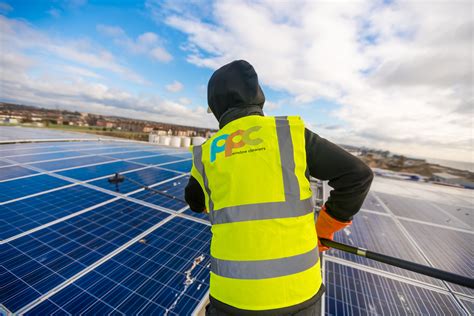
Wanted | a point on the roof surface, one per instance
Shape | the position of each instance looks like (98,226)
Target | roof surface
(73,243)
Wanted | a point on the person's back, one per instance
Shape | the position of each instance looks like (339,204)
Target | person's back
(252,176)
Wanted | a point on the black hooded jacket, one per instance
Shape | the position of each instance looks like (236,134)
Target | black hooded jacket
(234,92)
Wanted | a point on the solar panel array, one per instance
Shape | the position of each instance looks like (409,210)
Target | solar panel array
(71,242)
(74,243)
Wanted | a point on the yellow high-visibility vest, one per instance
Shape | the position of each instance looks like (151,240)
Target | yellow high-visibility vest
(264,248)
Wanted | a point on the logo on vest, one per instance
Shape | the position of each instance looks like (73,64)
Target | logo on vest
(227,142)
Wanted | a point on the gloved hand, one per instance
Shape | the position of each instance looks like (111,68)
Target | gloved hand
(326,226)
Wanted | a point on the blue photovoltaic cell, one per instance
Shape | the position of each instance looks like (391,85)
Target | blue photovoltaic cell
(183,166)
(4,163)
(14,189)
(204,216)
(36,263)
(14,172)
(39,148)
(351,291)
(70,163)
(454,256)
(462,213)
(147,176)
(379,233)
(148,278)
(41,157)
(371,203)
(162,158)
(469,305)
(26,214)
(92,172)
(174,188)
(420,210)
(132,154)
(106,150)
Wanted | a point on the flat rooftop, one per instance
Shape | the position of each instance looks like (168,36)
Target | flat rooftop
(71,242)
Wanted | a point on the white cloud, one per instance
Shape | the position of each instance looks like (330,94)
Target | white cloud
(174,87)
(147,43)
(18,36)
(71,82)
(185,101)
(112,31)
(402,72)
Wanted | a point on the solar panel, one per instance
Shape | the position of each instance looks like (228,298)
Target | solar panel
(447,249)
(156,159)
(148,176)
(203,216)
(174,188)
(463,213)
(132,154)
(4,163)
(380,233)
(74,248)
(71,162)
(182,166)
(355,292)
(92,172)
(11,172)
(22,187)
(41,157)
(37,262)
(419,210)
(372,204)
(166,271)
(26,214)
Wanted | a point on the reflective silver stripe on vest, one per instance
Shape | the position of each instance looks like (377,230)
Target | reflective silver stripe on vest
(262,211)
(197,155)
(264,269)
(285,144)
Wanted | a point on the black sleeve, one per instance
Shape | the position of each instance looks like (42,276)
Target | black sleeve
(194,196)
(347,174)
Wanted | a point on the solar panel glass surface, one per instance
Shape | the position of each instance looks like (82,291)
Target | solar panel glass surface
(96,171)
(355,292)
(381,234)
(174,188)
(69,163)
(42,260)
(22,187)
(124,255)
(11,172)
(167,271)
(26,214)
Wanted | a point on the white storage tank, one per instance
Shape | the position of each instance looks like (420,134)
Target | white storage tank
(165,140)
(185,141)
(175,141)
(198,140)
(151,138)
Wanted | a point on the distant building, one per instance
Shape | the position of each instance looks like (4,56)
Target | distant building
(147,129)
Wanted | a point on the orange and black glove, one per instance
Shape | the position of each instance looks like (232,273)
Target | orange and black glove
(326,226)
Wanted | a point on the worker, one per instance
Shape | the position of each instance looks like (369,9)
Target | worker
(252,177)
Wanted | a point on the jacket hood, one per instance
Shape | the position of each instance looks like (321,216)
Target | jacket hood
(233,91)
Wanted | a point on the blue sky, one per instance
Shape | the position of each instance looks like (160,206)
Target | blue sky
(369,73)
(81,20)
